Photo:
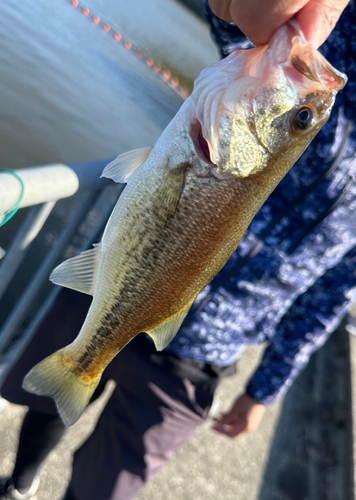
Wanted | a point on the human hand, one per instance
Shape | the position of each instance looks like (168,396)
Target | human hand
(259,19)
(244,416)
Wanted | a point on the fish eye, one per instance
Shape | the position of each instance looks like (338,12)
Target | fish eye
(303,118)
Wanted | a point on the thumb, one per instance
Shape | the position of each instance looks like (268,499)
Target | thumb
(317,19)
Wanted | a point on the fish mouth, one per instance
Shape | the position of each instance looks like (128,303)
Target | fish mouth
(302,58)
(311,64)
(201,145)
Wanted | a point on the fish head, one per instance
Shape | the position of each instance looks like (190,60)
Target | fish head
(263,103)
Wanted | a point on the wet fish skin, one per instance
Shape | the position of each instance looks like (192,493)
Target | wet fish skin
(187,204)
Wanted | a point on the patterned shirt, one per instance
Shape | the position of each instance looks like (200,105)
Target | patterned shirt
(290,281)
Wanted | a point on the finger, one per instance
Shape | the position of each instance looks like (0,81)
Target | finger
(318,18)
(230,430)
(230,421)
(227,418)
(221,8)
(259,19)
(223,425)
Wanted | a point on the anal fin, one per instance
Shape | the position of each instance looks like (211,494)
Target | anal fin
(164,333)
(78,272)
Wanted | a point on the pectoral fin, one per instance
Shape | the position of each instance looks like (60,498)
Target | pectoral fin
(78,272)
(165,332)
(120,169)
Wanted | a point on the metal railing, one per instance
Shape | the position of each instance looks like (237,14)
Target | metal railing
(44,187)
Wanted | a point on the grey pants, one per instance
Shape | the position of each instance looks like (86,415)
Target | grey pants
(150,414)
(158,402)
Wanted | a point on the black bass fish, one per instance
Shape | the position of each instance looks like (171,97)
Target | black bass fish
(187,203)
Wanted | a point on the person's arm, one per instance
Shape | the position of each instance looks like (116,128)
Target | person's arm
(303,329)
(259,19)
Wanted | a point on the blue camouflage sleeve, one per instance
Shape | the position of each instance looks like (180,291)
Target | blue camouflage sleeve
(304,329)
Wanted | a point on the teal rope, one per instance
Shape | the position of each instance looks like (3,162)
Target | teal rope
(12,212)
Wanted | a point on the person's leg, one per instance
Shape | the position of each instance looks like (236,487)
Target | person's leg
(40,433)
(59,328)
(42,428)
(150,413)
(69,495)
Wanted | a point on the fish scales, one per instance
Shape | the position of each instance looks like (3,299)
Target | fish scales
(182,263)
(187,203)
(132,274)
(207,208)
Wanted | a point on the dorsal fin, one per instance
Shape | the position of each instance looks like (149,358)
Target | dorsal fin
(120,169)
(78,272)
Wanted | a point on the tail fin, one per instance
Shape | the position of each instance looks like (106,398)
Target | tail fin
(52,378)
